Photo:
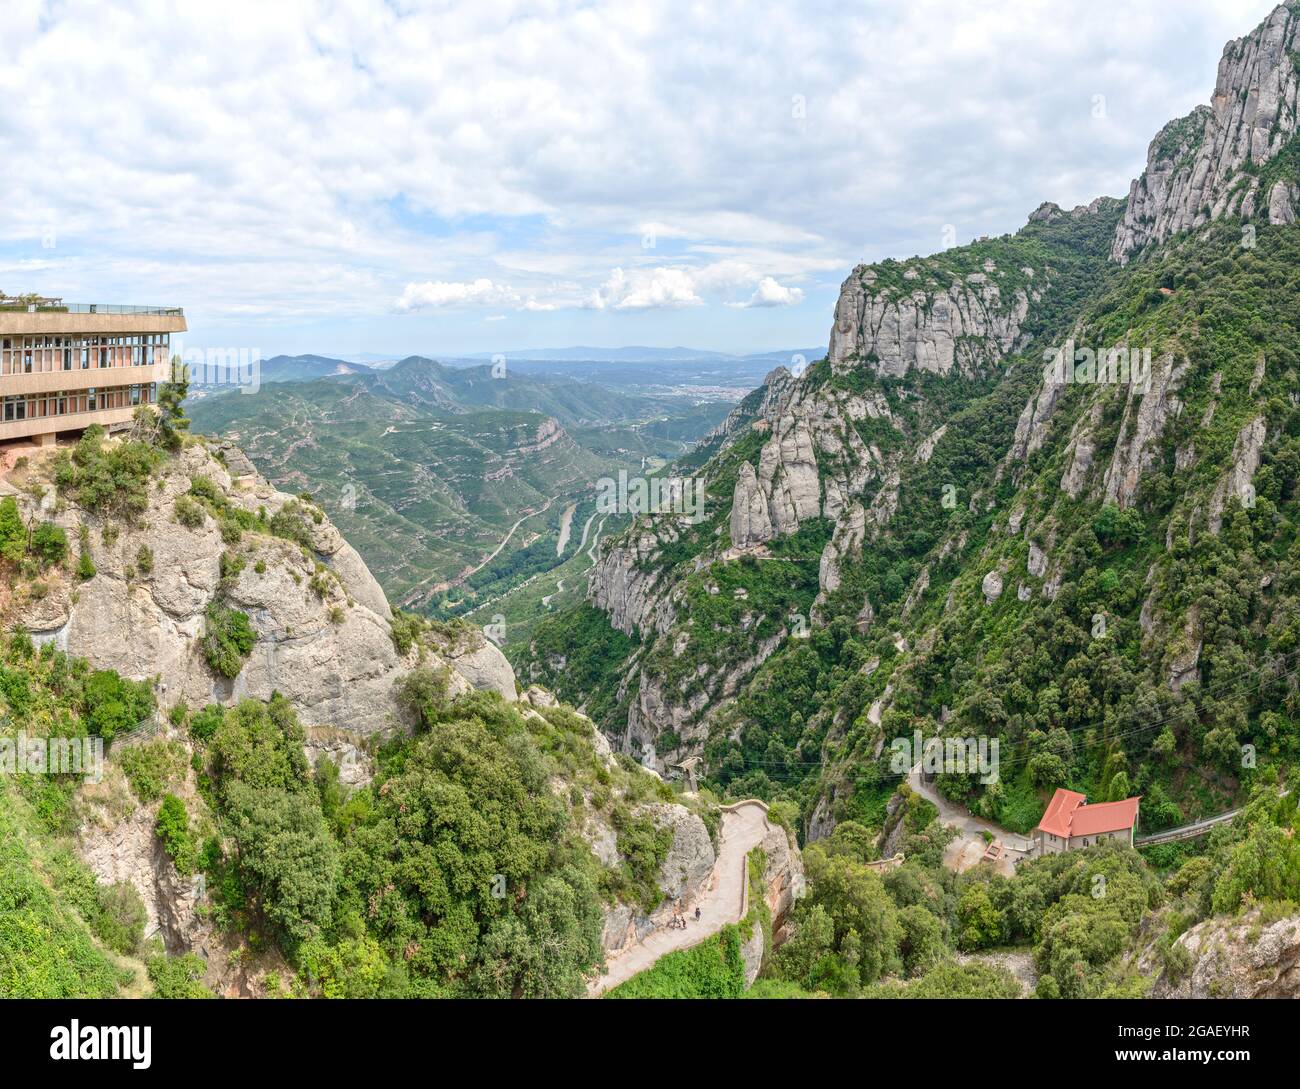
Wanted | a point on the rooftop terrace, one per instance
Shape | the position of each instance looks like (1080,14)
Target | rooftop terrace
(36,304)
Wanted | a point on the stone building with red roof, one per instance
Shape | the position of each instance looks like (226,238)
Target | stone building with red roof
(1070,823)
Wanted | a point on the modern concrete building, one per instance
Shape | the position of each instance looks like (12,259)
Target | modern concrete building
(65,366)
(1070,823)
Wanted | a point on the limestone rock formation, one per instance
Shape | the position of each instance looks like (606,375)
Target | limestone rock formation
(1147,410)
(965,324)
(845,542)
(1197,166)
(750,523)
(1237,957)
(322,622)
(624,584)
(1236,482)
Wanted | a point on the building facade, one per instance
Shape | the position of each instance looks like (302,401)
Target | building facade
(64,366)
(1069,823)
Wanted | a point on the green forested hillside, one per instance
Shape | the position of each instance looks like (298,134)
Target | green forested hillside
(1100,575)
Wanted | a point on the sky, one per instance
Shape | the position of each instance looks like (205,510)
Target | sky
(394,177)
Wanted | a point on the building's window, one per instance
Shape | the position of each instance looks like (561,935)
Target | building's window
(104,355)
(135,395)
(62,407)
(91,400)
(67,359)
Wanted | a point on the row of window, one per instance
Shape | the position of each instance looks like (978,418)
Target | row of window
(72,402)
(27,360)
(83,340)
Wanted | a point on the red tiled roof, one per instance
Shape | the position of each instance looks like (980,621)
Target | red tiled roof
(1068,815)
(1094,820)
(1056,819)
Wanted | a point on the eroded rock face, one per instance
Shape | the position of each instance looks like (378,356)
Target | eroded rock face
(119,845)
(356,768)
(1196,165)
(750,522)
(787,473)
(966,324)
(783,877)
(845,543)
(322,622)
(1236,482)
(481,663)
(1281,204)
(1147,411)
(625,584)
(117,842)
(1236,958)
(691,857)
(1081,452)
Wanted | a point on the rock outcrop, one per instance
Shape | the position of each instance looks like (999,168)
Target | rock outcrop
(1205,166)
(683,875)
(1236,482)
(321,620)
(750,522)
(1239,957)
(626,584)
(1148,409)
(966,324)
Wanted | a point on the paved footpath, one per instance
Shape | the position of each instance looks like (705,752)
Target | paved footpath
(720,901)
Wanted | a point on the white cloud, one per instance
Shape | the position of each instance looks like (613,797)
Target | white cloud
(770,293)
(660,288)
(432,294)
(313,157)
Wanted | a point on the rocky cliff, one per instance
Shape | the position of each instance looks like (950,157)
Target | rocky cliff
(1246,957)
(1207,165)
(926,324)
(322,623)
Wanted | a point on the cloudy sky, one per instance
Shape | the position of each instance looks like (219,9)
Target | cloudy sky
(394,176)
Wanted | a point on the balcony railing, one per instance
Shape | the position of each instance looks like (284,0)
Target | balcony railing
(58,306)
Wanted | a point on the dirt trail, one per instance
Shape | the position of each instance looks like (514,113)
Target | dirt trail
(720,902)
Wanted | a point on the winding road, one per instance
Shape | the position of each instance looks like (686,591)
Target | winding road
(967,847)
(721,901)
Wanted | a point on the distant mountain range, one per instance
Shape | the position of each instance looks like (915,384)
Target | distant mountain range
(431,468)
(298,368)
(642,354)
